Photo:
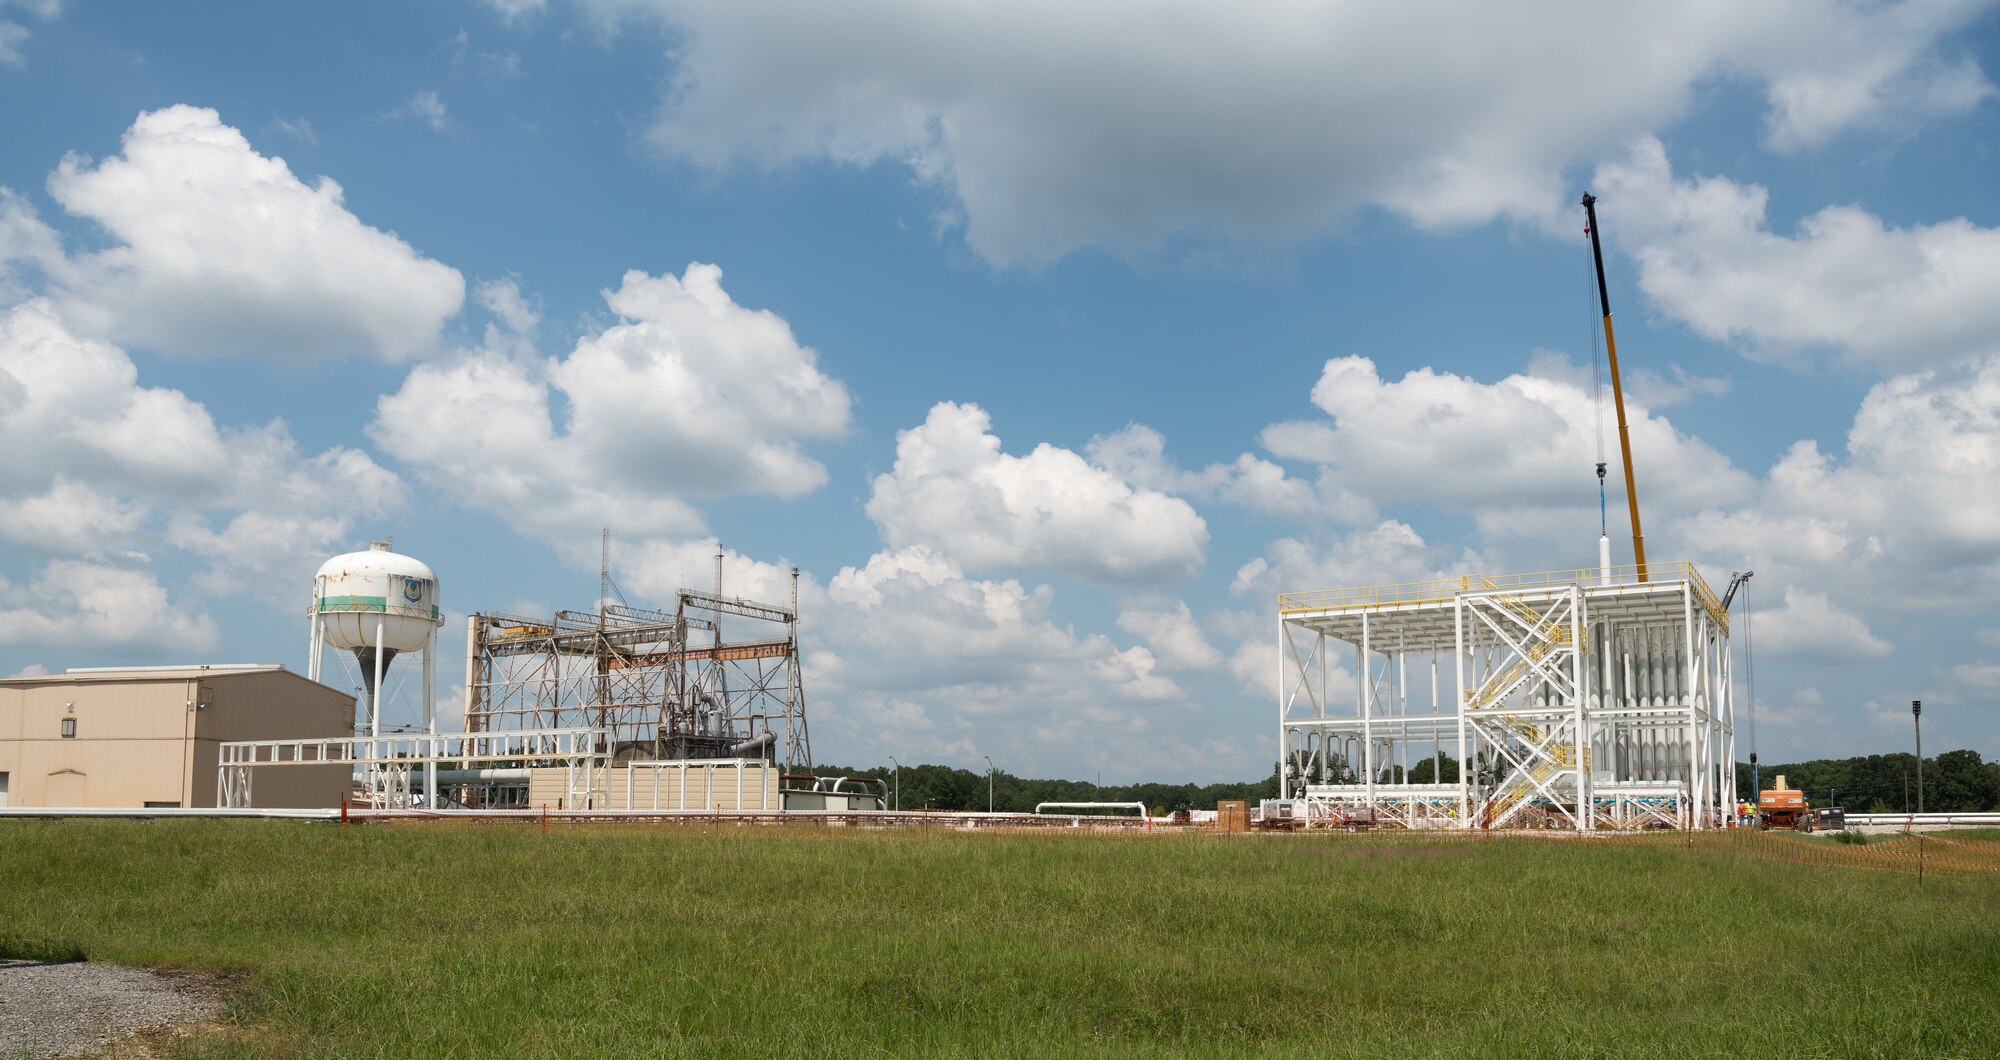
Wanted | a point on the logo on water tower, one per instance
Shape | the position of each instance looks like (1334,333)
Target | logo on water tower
(413,589)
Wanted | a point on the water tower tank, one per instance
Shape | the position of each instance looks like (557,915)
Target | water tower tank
(363,599)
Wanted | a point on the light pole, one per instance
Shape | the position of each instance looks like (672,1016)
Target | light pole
(899,783)
(989,782)
(1917,719)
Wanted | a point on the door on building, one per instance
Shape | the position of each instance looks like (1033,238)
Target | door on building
(3,791)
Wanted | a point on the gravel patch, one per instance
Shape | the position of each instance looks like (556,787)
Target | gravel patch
(77,1008)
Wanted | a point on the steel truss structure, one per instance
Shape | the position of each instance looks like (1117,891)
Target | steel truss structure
(1578,699)
(658,684)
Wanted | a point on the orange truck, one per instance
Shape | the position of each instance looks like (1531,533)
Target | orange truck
(1782,806)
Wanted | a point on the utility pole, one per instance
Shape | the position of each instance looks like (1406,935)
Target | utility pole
(1917,719)
(989,782)
(899,783)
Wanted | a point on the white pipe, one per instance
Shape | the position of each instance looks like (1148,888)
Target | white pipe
(1604,560)
(1140,806)
(483,776)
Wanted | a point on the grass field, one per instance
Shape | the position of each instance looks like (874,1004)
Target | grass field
(462,941)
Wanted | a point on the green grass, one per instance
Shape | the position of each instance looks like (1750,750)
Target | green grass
(475,941)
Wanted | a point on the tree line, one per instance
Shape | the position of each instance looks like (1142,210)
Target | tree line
(1954,782)
(938,787)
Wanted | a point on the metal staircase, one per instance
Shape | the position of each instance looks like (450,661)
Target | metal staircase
(1547,755)
(1520,787)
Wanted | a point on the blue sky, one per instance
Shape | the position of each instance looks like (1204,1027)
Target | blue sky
(1049,340)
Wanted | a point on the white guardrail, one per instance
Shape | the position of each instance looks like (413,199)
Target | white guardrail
(1924,820)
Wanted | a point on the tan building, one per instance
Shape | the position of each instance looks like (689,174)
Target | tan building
(133,738)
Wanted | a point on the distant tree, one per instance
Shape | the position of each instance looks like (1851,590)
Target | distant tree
(1437,769)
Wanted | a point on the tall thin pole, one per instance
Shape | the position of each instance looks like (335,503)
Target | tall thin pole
(899,783)
(1917,719)
(989,782)
(1617,388)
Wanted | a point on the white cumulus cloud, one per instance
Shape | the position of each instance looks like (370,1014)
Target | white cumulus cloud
(1461,445)
(73,601)
(219,250)
(97,463)
(689,394)
(917,658)
(1896,514)
(1054,126)
(1174,636)
(1893,298)
(953,489)
(1138,454)
(1810,626)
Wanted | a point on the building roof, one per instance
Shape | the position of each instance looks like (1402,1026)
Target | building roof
(83,674)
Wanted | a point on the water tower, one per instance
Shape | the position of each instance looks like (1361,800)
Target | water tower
(378,605)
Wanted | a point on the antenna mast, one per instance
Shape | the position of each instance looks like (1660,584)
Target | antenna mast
(1617,388)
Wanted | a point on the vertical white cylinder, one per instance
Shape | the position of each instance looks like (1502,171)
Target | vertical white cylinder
(375,693)
(430,722)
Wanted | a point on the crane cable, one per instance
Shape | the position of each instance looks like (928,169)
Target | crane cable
(1750,679)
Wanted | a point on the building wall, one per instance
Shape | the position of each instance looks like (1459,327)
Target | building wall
(152,739)
(275,705)
(691,787)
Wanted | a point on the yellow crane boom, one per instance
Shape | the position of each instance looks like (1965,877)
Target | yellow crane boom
(1617,389)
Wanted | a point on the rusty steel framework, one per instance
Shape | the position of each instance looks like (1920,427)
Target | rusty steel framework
(659,684)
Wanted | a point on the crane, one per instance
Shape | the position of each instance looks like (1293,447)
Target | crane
(1617,388)
(1735,582)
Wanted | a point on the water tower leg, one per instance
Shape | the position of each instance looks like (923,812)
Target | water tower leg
(375,690)
(375,713)
(430,721)
(315,642)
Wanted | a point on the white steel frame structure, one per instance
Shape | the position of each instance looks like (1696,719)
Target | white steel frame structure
(1578,699)
(390,759)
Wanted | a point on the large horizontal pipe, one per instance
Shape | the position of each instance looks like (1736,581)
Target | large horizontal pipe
(483,776)
(1040,806)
